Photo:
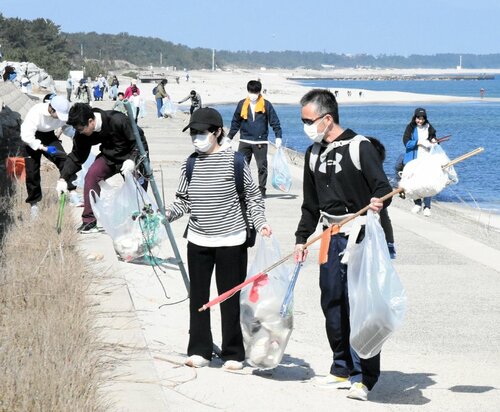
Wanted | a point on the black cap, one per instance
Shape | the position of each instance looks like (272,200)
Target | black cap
(203,119)
(420,112)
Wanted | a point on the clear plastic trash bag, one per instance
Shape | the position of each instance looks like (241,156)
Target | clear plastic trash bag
(377,298)
(80,176)
(265,332)
(425,176)
(281,178)
(168,108)
(130,217)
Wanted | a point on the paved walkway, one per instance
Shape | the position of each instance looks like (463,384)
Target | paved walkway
(446,356)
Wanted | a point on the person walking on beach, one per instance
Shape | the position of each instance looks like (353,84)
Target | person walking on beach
(334,188)
(251,118)
(118,153)
(38,134)
(216,235)
(69,87)
(195,101)
(419,137)
(132,93)
(160,94)
(113,91)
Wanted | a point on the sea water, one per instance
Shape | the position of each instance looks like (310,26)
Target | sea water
(471,125)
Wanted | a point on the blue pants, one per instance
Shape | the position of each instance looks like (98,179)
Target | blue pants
(427,202)
(335,305)
(159,104)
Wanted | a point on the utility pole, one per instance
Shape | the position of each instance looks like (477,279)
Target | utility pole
(213,59)
(81,50)
(161,59)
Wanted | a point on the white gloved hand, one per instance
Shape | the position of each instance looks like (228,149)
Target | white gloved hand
(61,187)
(278,143)
(128,166)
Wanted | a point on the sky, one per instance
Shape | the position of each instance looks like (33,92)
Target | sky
(391,27)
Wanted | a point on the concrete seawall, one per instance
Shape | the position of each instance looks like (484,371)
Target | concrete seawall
(445,357)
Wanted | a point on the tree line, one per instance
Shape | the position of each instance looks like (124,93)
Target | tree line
(41,41)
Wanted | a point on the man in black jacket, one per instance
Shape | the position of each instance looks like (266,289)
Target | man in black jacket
(118,152)
(342,174)
(251,118)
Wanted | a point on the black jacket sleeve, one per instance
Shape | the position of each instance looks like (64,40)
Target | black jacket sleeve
(310,205)
(79,154)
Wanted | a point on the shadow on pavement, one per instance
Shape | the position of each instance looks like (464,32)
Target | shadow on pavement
(471,389)
(290,369)
(286,196)
(401,388)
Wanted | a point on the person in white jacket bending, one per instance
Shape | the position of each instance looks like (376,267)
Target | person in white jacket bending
(38,134)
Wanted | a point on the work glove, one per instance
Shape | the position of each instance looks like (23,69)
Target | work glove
(278,142)
(128,166)
(61,187)
(51,150)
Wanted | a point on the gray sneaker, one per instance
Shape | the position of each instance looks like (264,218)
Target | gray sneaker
(89,228)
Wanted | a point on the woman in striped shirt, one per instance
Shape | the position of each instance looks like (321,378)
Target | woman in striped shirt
(216,235)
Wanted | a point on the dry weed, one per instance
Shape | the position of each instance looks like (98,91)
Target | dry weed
(50,356)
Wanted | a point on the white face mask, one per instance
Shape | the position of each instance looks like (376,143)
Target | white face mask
(202,142)
(311,130)
(253,97)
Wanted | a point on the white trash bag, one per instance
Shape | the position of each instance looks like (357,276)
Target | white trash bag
(168,108)
(130,217)
(265,332)
(425,176)
(377,298)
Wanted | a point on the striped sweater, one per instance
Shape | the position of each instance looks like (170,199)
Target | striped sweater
(212,200)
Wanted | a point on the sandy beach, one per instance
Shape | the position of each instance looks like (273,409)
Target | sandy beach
(221,87)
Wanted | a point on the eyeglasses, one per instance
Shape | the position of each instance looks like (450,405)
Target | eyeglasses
(312,121)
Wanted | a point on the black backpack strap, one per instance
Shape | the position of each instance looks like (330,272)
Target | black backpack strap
(190,166)
(239,166)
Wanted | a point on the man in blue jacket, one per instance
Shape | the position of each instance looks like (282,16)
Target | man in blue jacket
(251,118)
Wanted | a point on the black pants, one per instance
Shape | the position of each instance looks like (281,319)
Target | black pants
(385,222)
(32,163)
(230,270)
(260,153)
(335,305)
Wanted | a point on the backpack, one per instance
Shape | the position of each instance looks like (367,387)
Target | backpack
(155,89)
(239,166)
(353,150)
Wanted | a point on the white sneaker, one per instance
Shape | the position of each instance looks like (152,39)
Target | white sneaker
(74,199)
(331,382)
(427,211)
(196,361)
(232,365)
(34,211)
(358,391)
(416,209)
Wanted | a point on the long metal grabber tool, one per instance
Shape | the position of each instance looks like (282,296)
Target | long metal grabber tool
(156,193)
(327,233)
